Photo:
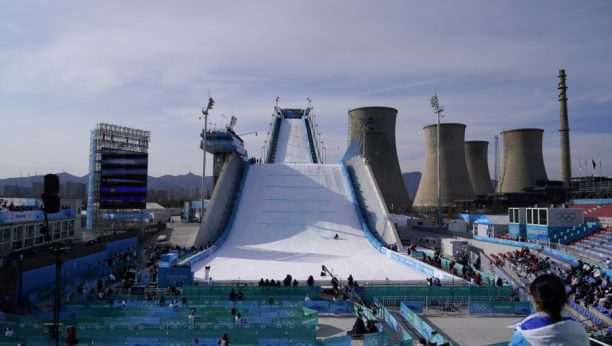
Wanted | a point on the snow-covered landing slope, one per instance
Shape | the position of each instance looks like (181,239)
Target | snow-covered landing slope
(292,146)
(287,218)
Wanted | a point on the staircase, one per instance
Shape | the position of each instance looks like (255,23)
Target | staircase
(311,142)
(575,233)
(275,132)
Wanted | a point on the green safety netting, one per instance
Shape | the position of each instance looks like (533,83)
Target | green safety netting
(185,332)
(152,331)
(122,331)
(301,332)
(243,342)
(212,331)
(242,332)
(272,332)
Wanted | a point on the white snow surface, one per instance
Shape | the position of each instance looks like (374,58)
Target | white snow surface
(292,145)
(287,218)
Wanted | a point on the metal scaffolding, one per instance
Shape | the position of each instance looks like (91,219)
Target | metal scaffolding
(112,137)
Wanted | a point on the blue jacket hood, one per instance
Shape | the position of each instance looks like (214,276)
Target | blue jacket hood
(538,330)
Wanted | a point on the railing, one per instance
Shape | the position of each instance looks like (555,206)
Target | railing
(438,303)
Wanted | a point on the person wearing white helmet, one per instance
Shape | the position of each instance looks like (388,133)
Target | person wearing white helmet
(9,332)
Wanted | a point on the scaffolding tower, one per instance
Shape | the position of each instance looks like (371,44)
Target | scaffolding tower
(112,137)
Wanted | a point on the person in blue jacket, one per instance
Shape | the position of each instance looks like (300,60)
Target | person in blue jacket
(551,325)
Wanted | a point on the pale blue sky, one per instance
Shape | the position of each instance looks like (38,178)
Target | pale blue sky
(67,65)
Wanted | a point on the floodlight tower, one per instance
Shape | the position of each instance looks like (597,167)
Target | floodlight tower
(211,103)
(438,110)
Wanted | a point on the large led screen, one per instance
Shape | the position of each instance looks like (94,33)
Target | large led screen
(123,180)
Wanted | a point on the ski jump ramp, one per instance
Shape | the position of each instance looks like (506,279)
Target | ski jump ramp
(286,221)
(292,145)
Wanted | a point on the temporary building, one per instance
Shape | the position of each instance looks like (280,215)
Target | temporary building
(491,225)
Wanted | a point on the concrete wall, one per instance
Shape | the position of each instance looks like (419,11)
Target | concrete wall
(476,158)
(455,179)
(381,152)
(523,160)
(222,201)
(371,202)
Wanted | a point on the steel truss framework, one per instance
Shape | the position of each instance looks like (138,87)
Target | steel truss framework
(115,137)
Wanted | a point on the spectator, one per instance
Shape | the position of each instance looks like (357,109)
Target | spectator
(80,288)
(71,336)
(192,318)
(238,319)
(232,296)
(162,300)
(223,341)
(422,342)
(307,299)
(472,283)
(101,295)
(9,330)
(550,325)
(240,296)
(100,285)
(211,282)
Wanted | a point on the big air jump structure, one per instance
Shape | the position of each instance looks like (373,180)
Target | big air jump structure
(476,158)
(455,179)
(380,151)
(523,160)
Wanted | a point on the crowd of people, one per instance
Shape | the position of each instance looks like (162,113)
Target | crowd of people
(525,262)
(584,283)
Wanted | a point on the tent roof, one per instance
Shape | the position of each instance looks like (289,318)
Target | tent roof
(493,219)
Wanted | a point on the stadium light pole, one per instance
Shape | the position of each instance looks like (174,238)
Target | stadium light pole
(438,110)
(211,103)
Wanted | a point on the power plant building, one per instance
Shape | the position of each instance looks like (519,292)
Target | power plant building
(380,151)
(523,162)
(455,179)
(477,160)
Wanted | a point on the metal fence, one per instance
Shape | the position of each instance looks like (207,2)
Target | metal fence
(441,304)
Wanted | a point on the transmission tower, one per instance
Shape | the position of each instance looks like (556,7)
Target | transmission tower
(496,163)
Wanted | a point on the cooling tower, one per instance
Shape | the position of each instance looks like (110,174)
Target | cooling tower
(476,158)
(380,151)
(523,160)
(455,179)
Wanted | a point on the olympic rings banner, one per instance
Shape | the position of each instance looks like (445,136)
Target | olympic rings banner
(521,308)
(565,217)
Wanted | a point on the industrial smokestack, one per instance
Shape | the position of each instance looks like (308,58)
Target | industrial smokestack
(455,179)
(380,151)
(523,160)
(566,168)
(477,160)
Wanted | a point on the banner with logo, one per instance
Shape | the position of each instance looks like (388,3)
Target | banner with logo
(340,341)
(414,306)
(522,308)
(33,215)
(480,308)
(144,277)
(319,306)
(376,339)
(340,307)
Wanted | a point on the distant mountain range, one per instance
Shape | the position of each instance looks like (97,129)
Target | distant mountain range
(166,182)
(190,180)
